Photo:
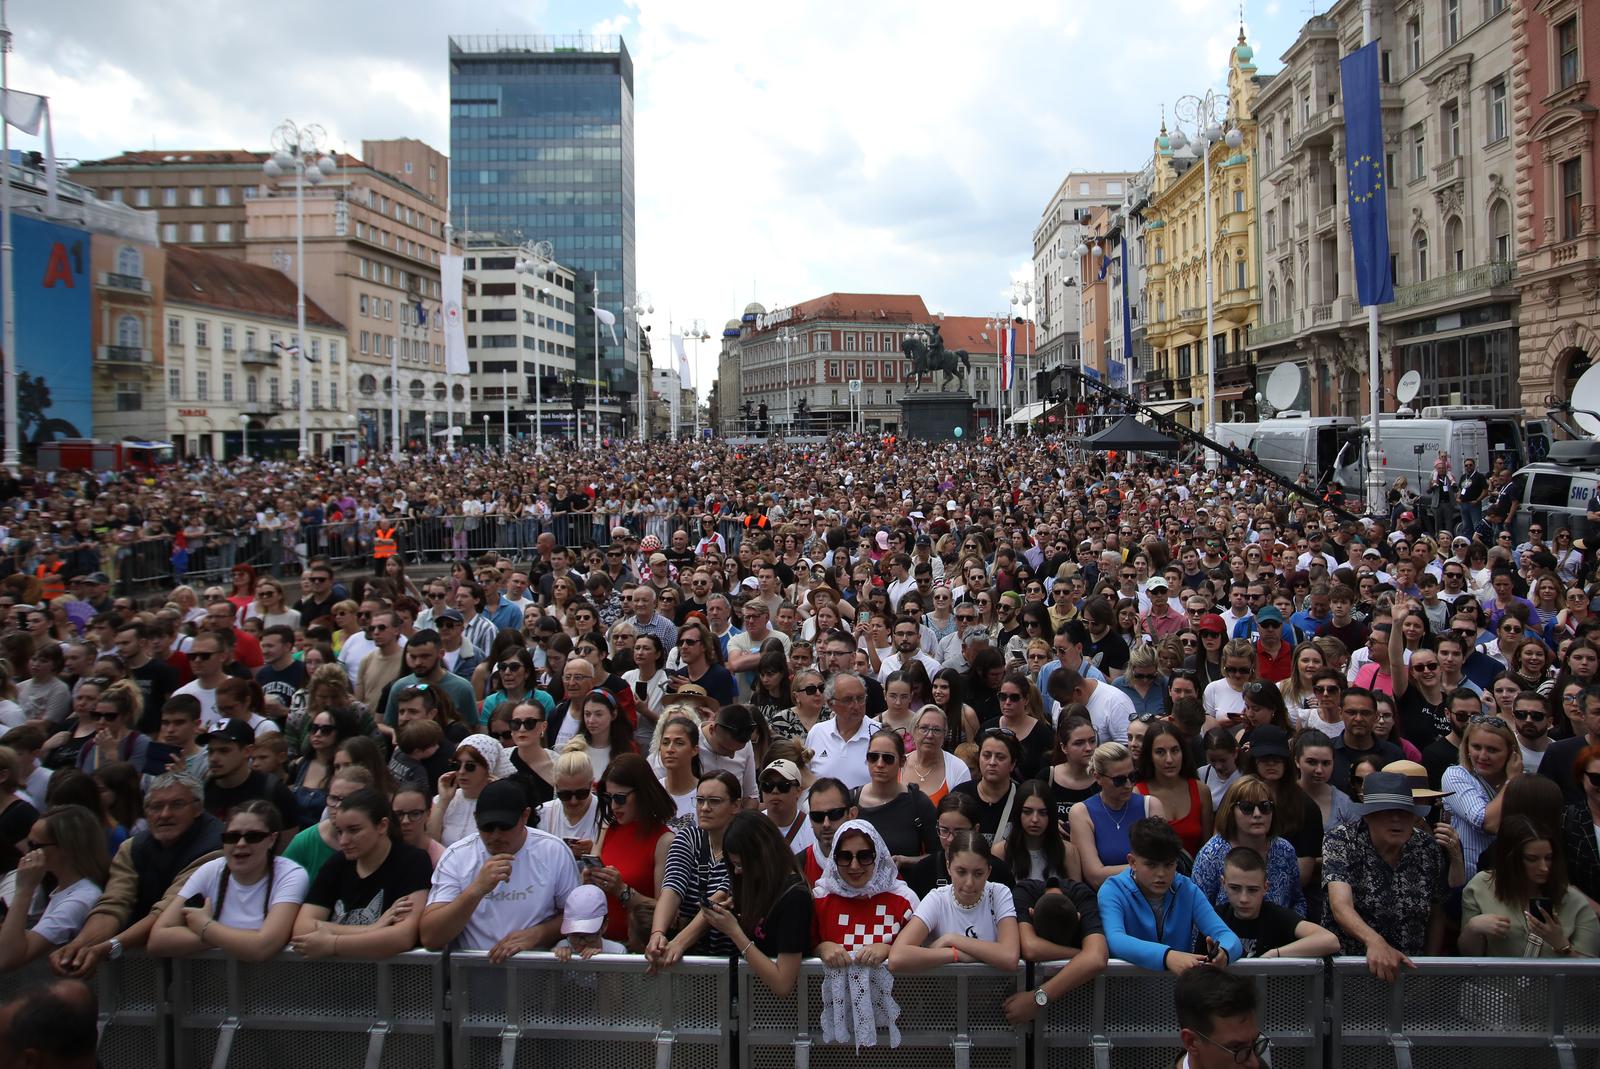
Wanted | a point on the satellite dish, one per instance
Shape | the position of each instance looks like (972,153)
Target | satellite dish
(1283,386)
(1586,395)
(1409,385)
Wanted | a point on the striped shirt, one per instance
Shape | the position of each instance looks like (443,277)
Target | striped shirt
(696,875)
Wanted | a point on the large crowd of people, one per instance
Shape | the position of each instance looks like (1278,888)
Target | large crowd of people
(884,703)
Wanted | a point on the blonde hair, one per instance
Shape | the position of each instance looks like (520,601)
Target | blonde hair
(1107,754)
(574,760)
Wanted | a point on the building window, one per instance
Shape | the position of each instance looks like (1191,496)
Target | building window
(1238,200)
(202,334)
(130,397)
(1499,114)
(365,339)
(197,233)
(169,233)
(174,384)
(333,393)
(1500,232)
(1414,44)
(272,390)
(1452,21)
(227,386)
(197,196)
(1386,66)
(1240,274)
(169,196)
(202,388)
(1455,257)
(1495,7)
(141,198)
(1450,129)
(1419,152)
(1567,52)
(174,330)
(224,232)
(223,195)
(1571,197)
(1419,256)
(316,393)
(1266,150)
(252,390)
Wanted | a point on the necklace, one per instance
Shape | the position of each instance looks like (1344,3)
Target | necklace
(1115,823)
(922,777)
(955,896)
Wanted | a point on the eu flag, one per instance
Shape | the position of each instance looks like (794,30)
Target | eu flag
(1368,185)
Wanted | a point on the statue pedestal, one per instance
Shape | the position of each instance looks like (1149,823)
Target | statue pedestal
(933,417)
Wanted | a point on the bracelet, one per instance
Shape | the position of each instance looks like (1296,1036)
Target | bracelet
(746,948)
(203,928)
(955,955)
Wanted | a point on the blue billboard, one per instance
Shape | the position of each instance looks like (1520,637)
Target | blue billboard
(52,319)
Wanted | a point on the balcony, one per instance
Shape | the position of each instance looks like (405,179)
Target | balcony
(1235,369)
(125,283)
(124,354)
(264,409)
(1451,170)
(1327,218)
(1190,316)
(1270,333)
(1455,285)
(1320,127)
(258,358)
(1333,313)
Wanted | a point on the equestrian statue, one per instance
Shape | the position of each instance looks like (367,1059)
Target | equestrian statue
(925,349)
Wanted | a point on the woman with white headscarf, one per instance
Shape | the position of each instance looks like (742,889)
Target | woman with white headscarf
(861,905)
(480,760)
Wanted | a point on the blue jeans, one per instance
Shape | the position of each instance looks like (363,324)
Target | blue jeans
(1471,515)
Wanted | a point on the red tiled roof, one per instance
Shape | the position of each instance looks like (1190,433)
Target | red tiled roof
(888,309)
(200,158)
(195,277)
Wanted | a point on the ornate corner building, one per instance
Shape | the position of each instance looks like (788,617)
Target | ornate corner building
(1556,62)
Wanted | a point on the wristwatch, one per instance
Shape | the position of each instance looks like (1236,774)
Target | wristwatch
(625,895)
(1041,999)
(115,948)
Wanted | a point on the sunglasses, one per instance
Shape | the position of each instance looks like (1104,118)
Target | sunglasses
(249,838)
(1428,667)
(1007,697)
(574,796)
(853,858)
(511,666)
(1521,715)
(1119,781)
(878,757)
(783,786)
(527,724)
(1593,778)
(323,729)
(1237,671)
(107,718)
(496,827)
(829,816)
(1252,808)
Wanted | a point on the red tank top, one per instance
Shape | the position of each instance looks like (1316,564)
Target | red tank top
(631,850)
(1189,830)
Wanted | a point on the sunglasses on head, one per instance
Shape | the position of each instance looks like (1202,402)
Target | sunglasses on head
(249,838)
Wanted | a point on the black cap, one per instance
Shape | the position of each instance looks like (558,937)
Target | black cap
(449,614)
(1268,740)
(237,732)
(501,802)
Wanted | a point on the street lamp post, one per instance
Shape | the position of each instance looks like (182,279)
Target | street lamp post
(697,334)
(244,441)
(1022,295)
(537,258)
(1206,115)
(298,150)
(641,307)
(485,417)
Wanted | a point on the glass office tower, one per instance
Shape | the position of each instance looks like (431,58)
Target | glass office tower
(541,149)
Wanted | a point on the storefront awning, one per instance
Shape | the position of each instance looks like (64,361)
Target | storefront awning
(1168,408)
(1027,413)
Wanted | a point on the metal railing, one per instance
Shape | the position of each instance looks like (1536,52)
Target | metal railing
(458,1011)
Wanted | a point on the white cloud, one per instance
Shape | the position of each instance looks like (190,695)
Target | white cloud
(782,151)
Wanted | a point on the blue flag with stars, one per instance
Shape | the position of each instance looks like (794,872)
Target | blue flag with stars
(1364,171)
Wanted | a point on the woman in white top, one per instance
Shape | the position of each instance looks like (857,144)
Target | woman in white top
(68,843)
(649,682)
(933,769)
(570,815)
(249,897)
(480,760)
(269,606)
(968,919)
(1298,693)
(676,760)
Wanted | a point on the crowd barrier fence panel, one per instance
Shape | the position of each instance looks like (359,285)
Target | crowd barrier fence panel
(1125,1019)
(603,1013)
(228,1014)
(1453,1012)
(951,1017)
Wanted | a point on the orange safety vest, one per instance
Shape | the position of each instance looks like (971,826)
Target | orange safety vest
(50,584)
(383,546)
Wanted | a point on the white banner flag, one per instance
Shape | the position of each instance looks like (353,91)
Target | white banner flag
(685,375)
(455,331)
(28,113)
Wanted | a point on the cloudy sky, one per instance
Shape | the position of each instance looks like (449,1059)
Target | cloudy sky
(783,150)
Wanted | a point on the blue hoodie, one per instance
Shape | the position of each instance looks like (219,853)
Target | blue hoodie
(1130,923)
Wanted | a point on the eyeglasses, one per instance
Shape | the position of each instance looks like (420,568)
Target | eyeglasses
(1190,642)
(878,757)
(1511,629)
(688,642)
(615,798)
(574,796)
(502,737)
(782,786)
(704,801)
(526,724)
(1257,1048)
(202,655)
(107,718)
(854,858)
(931,730)
(826,816)
(249,838)
(1252,808)
(405,816)
(1147,718)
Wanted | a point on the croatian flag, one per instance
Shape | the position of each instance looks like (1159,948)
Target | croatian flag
(1008,350)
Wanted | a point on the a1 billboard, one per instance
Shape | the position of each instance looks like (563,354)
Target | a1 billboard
(54,352)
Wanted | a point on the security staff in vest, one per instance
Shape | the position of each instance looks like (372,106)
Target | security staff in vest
(385,544)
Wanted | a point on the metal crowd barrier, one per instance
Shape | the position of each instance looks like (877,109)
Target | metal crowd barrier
(461,1012)
(952,1017)
(1459,1012)
(1126,1018)
(596,1014)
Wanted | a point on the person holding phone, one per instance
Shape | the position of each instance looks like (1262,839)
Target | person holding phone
(648,681)
(571,815)
(1524,907)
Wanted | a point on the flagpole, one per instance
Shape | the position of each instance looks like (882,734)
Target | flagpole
(12,452)
(1374,487)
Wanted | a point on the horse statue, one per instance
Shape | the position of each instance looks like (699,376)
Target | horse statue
(926,351)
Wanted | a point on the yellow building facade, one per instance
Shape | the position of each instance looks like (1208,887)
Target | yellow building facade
(1177,243)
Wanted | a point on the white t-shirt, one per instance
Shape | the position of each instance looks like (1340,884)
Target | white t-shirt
(1109,711)
(553,819)
(543,873)
(742,764)
(65,912)
(209,718)
(943,916)
(1221,700)
(1530,758)
(246,905)
(355,649)
(458,821)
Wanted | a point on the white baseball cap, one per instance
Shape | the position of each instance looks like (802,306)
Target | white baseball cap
(586,910)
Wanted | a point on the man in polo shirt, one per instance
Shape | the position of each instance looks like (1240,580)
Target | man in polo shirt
(503,889)
(1274,656)
(840,744)
(500,612)
(1162,620)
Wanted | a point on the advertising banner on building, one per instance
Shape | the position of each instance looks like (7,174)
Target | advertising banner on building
(54,350)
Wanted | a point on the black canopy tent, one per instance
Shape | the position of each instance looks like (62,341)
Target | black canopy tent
(1129,435)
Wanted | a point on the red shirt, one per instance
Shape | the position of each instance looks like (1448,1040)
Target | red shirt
(631,850)
(1275,669)
(857,922)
